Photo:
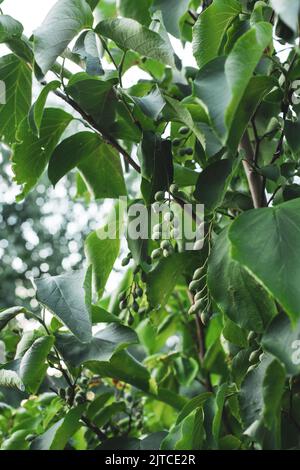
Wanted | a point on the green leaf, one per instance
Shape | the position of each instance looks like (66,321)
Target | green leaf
(210,29)
(283,341)
(163,278)
(17,441)
(64,21)
(222,82)
(235,291)
(102,248)
(220,402)
(188,434)
(288,10)
(292,132)
(101,348)
(9,375)
(176,111)
(184,176)
(16,76)
(37,110)
(8,314)
(138,11)
(31,154)
(212,184)
(33,366)
(172,11)
(151,104)
(95,96)
(64,296)
(56,437)
(273,388)
(156,160)
(128,34)
(98,163)
(251,397)
(274,232)
(9,28)
(195,402)
(234,334)
(86,48)
(99,315)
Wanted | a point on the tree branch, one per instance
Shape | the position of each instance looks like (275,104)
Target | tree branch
(255,181)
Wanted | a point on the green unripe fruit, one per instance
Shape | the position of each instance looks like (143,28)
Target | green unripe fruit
(261,357)
(139,292)
(251,368)
(159,196)
(194,286)
(176,142)
(192,310)
(184,130)
(156,236)
(254,356)
(251,336)
(157,228)
(156,254)
(197,274)
(182,152)
(198,296)
(125,261)
(165,245)
(30,437)
(200,305)
(123,304)
(166,253)
(174,188)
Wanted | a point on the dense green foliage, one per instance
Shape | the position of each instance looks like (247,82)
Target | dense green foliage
(194,349)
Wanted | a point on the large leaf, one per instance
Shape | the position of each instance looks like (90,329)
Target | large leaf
(37,110)
(64,21)
(212,184)
(288,10)
(102,347)
(95,96)
(167,273)
(172,11)
(188,434)
(283,341)
(156,160)
(98,163)
(273,388)
(131,35)
(56,437)
(222,82)
(138,11)
(210,29)
(8,314)
(33,366)
(102,248)
(271,253)
(16,76)
(9,28)
(64,296)
(235,291)
(87,49)
(31,154)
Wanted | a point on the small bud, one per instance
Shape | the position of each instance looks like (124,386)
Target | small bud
(166,253)
(125,261)
(254,356)
(169,216)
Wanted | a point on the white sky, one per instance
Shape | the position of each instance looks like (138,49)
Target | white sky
(29,12)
